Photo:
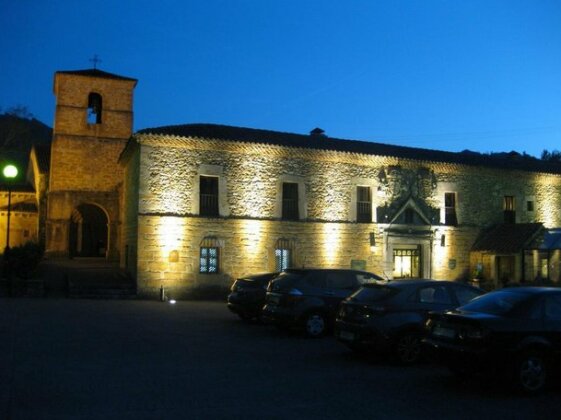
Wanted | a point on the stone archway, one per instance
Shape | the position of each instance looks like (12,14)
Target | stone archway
(88,235)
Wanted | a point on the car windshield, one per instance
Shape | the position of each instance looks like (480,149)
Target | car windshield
(497,303)
(373,293)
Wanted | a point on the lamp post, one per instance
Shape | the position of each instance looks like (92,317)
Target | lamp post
(10,172)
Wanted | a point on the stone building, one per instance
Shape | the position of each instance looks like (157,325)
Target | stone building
(207,203)
(93,121)
(192,207)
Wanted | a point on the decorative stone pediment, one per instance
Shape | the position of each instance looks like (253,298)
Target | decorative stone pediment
(408,211)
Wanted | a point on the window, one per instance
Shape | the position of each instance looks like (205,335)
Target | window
(209,261)
(435,294)
(450,218)
(94,108)
(341,280)
(529,206)
(465,294)
(282,259)
(208,196)
(509,209)
(290,201)
(283,254)
(363,205)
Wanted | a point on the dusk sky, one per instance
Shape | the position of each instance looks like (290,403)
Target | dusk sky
(448,75)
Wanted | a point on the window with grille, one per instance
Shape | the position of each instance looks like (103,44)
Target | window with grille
(450,217)
(509,209)
(290,201)
(208,196)
(209,260)
(282,259)
(363,205)
(283,254)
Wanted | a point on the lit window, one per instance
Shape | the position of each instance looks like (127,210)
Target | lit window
(509,209)
(283,254)
(450,217)
(363,205)
(209,260)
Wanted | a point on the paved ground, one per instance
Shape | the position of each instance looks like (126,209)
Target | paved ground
(88,359)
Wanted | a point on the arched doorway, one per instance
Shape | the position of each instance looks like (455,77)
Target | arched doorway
(88,232)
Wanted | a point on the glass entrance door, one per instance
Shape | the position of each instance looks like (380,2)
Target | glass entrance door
(406,263)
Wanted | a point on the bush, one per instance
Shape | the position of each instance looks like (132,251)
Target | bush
(24,259)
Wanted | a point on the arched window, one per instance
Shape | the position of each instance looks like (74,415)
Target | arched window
(209,255)
(95,108)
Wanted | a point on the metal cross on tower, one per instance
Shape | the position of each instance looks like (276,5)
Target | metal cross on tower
(95,60)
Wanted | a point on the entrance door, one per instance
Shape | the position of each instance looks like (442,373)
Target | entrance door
(88,232)
(406,263)
(505,269)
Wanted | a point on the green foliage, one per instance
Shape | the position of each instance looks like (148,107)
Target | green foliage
(24,259)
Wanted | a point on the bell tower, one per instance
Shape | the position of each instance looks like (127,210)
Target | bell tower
(93,122)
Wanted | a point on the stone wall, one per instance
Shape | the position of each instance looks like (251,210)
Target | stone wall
(249,226)
(23,224)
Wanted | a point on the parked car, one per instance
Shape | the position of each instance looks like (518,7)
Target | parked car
(247,295)
(309,298)
(390,318)
(514,331)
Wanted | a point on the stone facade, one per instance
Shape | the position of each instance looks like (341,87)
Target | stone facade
(170,231)
(23,218)
(85,177)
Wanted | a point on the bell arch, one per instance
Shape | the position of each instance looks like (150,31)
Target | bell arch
(89,231)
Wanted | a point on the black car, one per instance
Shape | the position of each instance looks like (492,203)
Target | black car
(309,298)
(512,331)
(247,295)
(390,318)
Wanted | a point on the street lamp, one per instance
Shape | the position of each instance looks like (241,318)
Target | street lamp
(10,172)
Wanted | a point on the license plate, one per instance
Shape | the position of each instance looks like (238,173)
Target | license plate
(444,332)
(346,335)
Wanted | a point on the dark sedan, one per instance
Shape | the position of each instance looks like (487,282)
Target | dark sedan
(247,295)
(308,298)
(390,318)
(514,331)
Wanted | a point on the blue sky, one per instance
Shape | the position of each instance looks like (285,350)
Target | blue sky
(448,75)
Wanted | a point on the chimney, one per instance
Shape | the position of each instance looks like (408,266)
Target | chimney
(317,132)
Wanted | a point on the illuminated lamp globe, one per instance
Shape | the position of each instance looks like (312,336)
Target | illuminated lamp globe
(10,171)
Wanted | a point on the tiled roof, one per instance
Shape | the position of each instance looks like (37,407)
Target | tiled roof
(96,73)
(323,142)
(508,238)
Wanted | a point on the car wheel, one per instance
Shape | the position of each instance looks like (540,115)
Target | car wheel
(531,373)
(315,325)
(407,348)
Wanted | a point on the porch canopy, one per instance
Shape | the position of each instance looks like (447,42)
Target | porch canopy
(510,238)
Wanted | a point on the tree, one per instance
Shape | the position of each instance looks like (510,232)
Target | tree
(553,156)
